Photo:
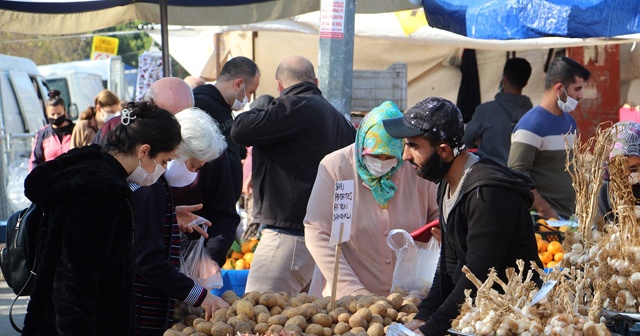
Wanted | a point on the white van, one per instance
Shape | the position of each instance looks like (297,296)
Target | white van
(22,95)
(78,89)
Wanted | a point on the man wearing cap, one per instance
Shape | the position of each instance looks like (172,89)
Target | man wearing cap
(484,208)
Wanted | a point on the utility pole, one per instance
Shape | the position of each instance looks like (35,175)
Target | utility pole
(335,58)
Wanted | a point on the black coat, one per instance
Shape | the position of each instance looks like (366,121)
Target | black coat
(289,139)
(84,280)
(208,98)
(489,226)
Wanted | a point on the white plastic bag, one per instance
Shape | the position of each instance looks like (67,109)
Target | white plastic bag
(415,265)
(196,263)
(18,171)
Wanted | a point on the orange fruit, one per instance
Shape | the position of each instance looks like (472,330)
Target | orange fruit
(538,236)
(241,264)
(542,245)
(542,221)
(545,257)
(554,247)
(564,228)
(558,256)
(248,257)
(236,255)
(551,264)
(228,264)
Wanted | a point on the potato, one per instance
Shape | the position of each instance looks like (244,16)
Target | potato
(309,310)
(328,331)
(295,302)
(341,328)
(275,329)
(294,327)
(204,327)
(189,330)
(379,309)
(171,332)
(385,303)
(392,314)
(357,321)
(396,300)
(365,313)
(199,334)
(375,329)
(408,308)
(230,299)
(178,326)
(375,318)
(387,321)
(260,309)
(268,300)
(315,329)
(348,333)
(357,330)
(282,301)
(244,307)
(260,328)
(277,320)
(243,327)
(412,316)
(221,329)
(220,314)
(293,311)
(344,301)
(401,315)
(197,321)
(263,318)
(365,302)
(231,312)
(254,295)
(298,320)
(322,319)
(352,307)
(362,333)
(344,317)
(232,321)
(188,320)
(275,310)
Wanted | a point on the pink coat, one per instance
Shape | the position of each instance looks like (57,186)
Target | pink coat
(367,262)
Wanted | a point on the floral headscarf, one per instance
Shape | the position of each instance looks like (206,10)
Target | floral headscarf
(372,138)
(626,141)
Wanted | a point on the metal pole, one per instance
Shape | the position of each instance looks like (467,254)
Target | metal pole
(335,57)
(164,34)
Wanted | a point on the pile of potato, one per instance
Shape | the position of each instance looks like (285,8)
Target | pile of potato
(272,313)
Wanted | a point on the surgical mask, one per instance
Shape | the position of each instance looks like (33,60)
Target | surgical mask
(144,179)
(634,180)
(58,121)
(569,105)
(107,116)
(239,105)
(178,175)
(435,169)
(378,167)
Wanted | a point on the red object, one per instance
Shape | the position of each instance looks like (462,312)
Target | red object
(423,234)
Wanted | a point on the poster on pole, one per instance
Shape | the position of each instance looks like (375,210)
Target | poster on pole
(104,47)
(332,19)
(342,211)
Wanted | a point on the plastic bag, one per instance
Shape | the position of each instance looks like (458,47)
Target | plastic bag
(18,171)
(196,263)
(397,329)
(416,264)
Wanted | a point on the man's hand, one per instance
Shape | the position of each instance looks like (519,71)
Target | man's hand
(414,325)
(542,206)
(437,233)
(186,218)
(212,303)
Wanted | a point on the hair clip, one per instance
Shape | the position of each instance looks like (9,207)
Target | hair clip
(126,117)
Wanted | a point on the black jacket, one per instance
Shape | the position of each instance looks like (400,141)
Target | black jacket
(289,139)
(208,98)
(489,226)
(85,276)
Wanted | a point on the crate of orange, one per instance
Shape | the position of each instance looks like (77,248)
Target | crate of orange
(236,268)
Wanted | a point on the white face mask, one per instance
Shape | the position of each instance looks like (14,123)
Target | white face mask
(144,179)
(634,178)
(239,105)
(378,167)
(178,175)
(107,116)
(569,105)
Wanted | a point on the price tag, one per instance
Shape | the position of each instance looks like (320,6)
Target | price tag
(342,211)
(546,288)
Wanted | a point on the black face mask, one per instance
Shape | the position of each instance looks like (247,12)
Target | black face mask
(435,169)
(635,188)
(58,121)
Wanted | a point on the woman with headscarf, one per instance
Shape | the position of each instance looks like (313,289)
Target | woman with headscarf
(387,195)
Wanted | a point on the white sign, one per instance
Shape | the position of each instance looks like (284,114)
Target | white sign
(332,19)
(546,288)
(342,211)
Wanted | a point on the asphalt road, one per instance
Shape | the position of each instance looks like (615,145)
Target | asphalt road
(19,310)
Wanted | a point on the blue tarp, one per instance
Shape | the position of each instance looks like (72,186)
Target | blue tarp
(521,19)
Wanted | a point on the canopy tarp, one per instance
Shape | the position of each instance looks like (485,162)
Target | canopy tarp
(523,19)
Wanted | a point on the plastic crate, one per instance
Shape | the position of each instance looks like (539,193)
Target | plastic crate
(623,327)
(547,232)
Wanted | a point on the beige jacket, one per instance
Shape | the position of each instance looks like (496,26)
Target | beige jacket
(367,262)
(83,133)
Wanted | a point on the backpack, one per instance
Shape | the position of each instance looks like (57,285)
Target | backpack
(18,258)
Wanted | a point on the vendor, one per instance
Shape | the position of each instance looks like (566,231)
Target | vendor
(387,195)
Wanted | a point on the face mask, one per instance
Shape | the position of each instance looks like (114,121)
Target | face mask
(107,116)
(58,121)
(435,169)
(239,105)
(144,179)
(378,167)
(178,175)
(569,105)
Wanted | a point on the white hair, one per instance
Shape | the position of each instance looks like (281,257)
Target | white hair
(202,140)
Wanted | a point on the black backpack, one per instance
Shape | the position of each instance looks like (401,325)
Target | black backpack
(18,258)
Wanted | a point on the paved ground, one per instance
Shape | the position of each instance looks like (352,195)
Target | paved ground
(20,308)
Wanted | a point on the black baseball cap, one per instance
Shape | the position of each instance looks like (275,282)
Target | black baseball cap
(435,117)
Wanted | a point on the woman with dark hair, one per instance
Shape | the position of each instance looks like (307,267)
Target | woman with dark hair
(84,281)
(106,106)
(54,138)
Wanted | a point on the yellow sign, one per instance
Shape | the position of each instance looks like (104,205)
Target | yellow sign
(104,47)
(411,20)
